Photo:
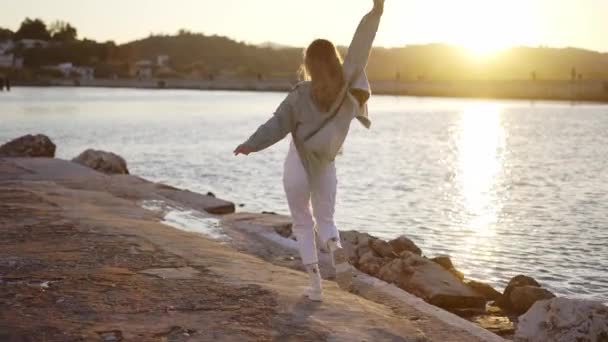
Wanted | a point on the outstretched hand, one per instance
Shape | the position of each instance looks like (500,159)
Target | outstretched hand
(242,149)
(379,5)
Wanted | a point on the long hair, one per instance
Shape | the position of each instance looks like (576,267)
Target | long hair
(323,67)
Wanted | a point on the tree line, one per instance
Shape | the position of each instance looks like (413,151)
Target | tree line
(199,55)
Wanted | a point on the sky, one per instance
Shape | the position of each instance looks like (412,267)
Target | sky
(482,26)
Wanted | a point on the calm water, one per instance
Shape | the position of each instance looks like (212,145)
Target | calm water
(504,187)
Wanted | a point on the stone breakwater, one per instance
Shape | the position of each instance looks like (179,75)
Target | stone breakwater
(398,261)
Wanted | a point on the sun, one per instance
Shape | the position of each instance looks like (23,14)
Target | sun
(483,50)
(482,27)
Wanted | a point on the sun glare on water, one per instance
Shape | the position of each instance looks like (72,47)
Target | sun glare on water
(480,163)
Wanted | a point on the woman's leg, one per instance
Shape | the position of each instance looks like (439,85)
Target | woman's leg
(324,204)
(295,183)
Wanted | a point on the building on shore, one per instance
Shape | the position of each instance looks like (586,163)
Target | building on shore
(68,70)
(142,69)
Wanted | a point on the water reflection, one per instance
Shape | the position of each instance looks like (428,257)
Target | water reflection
(481,143)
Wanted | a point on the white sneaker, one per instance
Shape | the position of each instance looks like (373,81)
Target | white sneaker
(339,261)
(315,291)
(314,294)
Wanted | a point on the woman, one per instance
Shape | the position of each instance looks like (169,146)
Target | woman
(318,113)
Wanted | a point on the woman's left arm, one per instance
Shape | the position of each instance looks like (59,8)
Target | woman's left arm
(273,130)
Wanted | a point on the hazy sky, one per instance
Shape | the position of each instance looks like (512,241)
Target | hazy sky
(481,25)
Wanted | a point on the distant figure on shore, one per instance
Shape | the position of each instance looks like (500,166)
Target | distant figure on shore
(1,83)
(318,113)
(8,84)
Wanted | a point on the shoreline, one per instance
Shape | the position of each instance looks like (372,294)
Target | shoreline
(539,90)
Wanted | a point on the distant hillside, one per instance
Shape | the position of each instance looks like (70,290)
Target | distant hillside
(214,54)
(444,62)
(430,62)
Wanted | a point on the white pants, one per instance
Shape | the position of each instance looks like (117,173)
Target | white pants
(299,199)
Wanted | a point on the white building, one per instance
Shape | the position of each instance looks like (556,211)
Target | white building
(162,61)
(143,69)
(69,70)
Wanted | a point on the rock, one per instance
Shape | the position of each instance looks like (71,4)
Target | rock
(29,146)
(382,248)
(395,272)
(371,264)
(522,298)
(499,325)
(564,320)
(195,200)
(349,243)
(363,239)
(360,251)
(487,291)
(350,236)
(444,261)
(437,285)
(284,230)
(402,243)
(504,301)
(106,162)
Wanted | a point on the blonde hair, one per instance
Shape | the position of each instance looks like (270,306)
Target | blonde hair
(323,67)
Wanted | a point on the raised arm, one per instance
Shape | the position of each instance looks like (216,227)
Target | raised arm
(275,129)
(361,45)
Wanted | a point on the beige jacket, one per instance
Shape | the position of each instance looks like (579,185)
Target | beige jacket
(298,114)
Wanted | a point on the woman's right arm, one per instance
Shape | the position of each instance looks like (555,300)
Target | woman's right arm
(361,45)
(275,129)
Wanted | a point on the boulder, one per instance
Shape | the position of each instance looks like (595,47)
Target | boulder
(437,285)
(564,320)
(362,250)
(354,237)
(382,248)
(402,243)
(285,230)
(444,261)
(371,264)
(395,272)
(504,301)
(349,243)
(29,146)
(487,291)
(522,298)
(106,162)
